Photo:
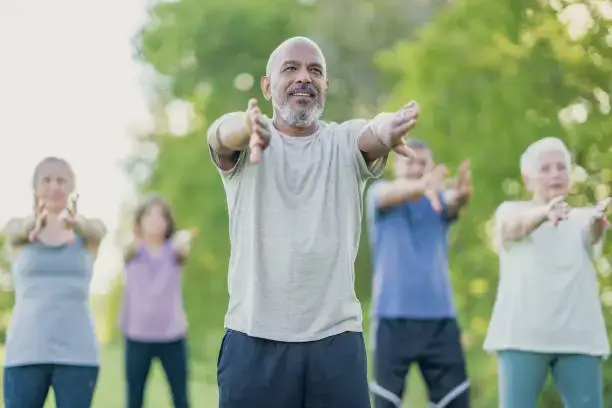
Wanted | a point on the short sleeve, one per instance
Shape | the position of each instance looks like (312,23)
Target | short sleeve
(242,155)
(372,198)
(351,130)
(502,213)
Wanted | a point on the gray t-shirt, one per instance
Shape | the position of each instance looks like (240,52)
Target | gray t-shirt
(295,221)
(52,321)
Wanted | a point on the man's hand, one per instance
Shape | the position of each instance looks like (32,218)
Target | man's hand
(259,129)
(393,128)
(434,183)
(557,210)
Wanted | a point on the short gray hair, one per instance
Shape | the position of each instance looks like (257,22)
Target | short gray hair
(531,157)
(278,49)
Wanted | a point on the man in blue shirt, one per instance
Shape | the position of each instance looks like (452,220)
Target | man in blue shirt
(414,316)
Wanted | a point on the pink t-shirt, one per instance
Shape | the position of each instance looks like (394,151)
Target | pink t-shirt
(152,307)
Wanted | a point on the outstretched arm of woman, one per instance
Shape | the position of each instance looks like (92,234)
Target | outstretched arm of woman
(17,230)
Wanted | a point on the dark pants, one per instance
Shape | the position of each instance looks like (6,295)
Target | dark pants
(173,358)
(27,386)
(435,345)
(259,373)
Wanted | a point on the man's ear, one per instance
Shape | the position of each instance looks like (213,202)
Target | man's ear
(265,88)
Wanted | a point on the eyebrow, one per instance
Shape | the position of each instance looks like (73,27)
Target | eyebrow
(294,62)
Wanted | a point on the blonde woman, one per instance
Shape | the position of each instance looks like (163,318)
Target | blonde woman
(50,339)
(547,316)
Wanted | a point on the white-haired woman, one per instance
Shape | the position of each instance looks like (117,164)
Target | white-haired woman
(547,315)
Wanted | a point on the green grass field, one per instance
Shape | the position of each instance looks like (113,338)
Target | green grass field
(110,392)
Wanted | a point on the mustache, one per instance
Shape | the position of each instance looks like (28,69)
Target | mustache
(303,88)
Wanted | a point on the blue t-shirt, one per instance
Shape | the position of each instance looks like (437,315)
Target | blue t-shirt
(409,245)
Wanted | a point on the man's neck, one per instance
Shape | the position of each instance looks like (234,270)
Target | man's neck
(295,131)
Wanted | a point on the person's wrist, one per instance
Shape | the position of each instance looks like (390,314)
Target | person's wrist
(381,135)
(543,212)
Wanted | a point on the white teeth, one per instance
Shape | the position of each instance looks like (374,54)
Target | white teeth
(301,94)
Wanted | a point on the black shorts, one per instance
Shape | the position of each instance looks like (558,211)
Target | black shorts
(260,373)
(435,345)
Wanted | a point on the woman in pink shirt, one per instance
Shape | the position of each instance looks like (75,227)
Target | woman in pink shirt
(152,316)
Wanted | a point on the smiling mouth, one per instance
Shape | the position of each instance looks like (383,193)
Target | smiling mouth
(303,93)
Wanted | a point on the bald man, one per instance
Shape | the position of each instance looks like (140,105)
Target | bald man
(294,188)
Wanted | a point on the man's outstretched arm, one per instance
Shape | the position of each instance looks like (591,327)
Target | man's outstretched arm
(386,132)
(236,131)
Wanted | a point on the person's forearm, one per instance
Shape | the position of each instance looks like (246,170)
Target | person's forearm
(372,145)
(523,223)
(92,230)
(17,231)
(597,230)
(229,135)
(400,191)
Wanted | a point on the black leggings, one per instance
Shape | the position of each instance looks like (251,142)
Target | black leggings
(138,358)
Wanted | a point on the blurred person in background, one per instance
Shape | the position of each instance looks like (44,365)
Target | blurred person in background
(51,340)
(152,317)
(414,315)
(547,314)
(294,188)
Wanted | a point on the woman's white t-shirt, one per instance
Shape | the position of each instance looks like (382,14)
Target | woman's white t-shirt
(548,295)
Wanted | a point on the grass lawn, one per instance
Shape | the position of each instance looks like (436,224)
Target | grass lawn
(110,392)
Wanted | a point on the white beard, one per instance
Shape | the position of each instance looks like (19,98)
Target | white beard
(302,119)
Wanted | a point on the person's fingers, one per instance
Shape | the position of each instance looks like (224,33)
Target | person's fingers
(435,203)
(264,134)
(256,146)
(555,202)
(252,104)
(404,150)
(70,210)
(403,128)
(465,165)
(75,200)
(261,122)
(440,172)
(411,109)
(255,154)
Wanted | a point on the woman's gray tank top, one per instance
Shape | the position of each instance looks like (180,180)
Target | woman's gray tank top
(52,321)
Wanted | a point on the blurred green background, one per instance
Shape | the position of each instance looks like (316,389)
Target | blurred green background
(490,76)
